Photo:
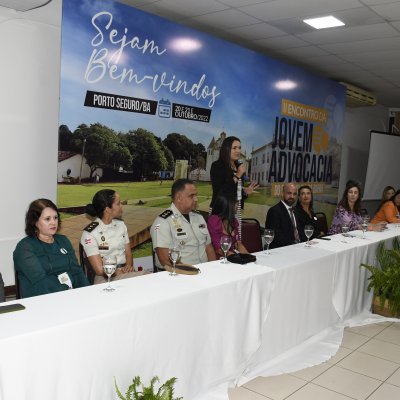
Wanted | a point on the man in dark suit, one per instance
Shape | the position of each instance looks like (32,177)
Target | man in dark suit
(282,219)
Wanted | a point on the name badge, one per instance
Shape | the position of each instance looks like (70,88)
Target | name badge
(65,279)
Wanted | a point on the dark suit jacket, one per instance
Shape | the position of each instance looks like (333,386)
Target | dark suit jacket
(279,220)
(304,219)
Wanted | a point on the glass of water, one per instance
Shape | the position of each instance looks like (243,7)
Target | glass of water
(308,231)
(345,231)
(364,226)
(174,254)
(226,243)
(109,267)
(268,237)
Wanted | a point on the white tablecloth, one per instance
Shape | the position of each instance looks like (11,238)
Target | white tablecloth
(350,296)
(318,291)
(201,329)
(226,325)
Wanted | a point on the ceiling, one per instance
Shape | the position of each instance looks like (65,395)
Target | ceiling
(365,52)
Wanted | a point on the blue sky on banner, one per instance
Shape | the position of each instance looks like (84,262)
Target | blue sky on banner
(242,95)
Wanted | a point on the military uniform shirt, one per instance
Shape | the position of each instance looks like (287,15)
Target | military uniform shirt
(171,227)
(106,240)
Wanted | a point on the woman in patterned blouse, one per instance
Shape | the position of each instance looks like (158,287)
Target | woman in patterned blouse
(348,211)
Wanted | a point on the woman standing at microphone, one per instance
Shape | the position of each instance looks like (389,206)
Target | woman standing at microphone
(228,171)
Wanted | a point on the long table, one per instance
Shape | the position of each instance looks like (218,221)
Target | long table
(225,325)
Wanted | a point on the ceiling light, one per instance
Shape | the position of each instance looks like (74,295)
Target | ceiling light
(323,22)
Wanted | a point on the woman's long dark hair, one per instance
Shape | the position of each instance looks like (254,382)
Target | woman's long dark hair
(35,211)
(225,153)
(312,197)
(344,202)
(224,207)
(101,200)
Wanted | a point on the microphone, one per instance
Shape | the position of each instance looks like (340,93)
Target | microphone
(239,163)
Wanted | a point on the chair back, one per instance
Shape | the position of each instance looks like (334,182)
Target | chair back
(18,294)
(85,263)
(322,222)
(155,268)
(251,235)
(205,214)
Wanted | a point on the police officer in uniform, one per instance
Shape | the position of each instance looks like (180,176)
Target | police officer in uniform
(107,235)
(181,225)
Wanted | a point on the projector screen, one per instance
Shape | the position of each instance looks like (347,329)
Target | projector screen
(383,164)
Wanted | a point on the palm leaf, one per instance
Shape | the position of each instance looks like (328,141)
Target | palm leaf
(384,277)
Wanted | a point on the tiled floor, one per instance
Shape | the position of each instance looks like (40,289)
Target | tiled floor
(367,366)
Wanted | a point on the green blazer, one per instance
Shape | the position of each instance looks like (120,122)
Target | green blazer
(38,264)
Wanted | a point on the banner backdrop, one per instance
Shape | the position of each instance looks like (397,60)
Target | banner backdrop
(127,70)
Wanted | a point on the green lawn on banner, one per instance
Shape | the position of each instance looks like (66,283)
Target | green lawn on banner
(156,195)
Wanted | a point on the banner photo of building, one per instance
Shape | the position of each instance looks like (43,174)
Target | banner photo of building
(127,74)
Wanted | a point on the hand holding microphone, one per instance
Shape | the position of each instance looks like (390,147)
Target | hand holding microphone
(241,170)
(241,173)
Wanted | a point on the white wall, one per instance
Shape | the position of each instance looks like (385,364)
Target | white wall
(356,138)
(29,106)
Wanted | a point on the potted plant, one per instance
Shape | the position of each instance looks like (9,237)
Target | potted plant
(134,392)
(385,279)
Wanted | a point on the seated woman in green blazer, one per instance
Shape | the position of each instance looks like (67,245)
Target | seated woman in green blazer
(44,260)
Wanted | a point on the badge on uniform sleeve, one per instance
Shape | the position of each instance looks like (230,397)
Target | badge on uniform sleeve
(157,227)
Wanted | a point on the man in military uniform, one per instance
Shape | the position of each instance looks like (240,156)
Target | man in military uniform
(181,225)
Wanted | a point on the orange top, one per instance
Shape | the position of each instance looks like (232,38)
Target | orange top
(387,213)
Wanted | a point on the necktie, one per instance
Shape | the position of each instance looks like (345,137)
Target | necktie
(296,233)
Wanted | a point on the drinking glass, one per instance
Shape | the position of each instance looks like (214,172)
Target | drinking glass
(345,231)
(308,231)
(226,243)
(268,237)
(364,226)
(109,267)
(174,254)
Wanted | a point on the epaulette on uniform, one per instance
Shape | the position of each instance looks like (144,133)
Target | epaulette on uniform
(165,214)
(91,226)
